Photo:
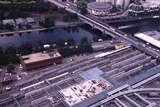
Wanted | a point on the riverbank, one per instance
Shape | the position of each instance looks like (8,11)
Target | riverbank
(57,25)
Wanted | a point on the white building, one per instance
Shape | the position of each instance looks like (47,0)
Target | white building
(8,21)
(99,8)
(20,21)
(30,20)
(122,4)
(104,1)
(103,7)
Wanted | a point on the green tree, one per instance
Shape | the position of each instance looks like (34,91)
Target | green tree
(60,42)
(49,21)
(11,54)
(71,42)
(10,68)
(84,40)
(11,50)
(82,5)
(3,58)
(25,49)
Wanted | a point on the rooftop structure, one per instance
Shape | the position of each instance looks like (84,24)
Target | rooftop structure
(8,21)
(7,77)
(30,20)
(20,21)
(37,60)
(80,92)
(99,8)
(108,53)
(103,7)
(147,6)
(151,3)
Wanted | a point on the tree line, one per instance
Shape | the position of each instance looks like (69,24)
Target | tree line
(15,10)
(10,55)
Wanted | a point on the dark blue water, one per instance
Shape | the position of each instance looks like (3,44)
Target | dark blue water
(51,36)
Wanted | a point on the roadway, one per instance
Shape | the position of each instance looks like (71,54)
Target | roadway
(107,29)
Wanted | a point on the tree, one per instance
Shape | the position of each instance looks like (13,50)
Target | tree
(3,58)
(9,27)
(114,9)
(60,42)
(11,54)
(70,16)
(84,40)
(10,68)
(82,6)
(1,50)
(49,21)
(71,42)
(25,49)
(85,46)
(11,50)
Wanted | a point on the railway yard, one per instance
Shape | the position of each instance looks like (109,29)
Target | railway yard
(128,70)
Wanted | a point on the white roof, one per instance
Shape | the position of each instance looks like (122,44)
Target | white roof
(148,39)
(19,20)
(36,57)
(111,52)
(8,21)
(151,3)
(30,20)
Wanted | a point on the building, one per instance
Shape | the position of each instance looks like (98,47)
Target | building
(150,37)
(101,46)
(38,60)
(122,4)
(7,77)
(30,20)
(20,21)
(103,7)
(8,21)
(147,7)
(99,8)
(103,0)
(119,45)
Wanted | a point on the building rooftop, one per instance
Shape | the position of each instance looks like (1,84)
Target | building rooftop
(151,37)
(8,21)
(151,3)
(8,77)
(36,57)
(30,20)
(20,21)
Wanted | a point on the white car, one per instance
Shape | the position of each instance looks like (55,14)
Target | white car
(8,88)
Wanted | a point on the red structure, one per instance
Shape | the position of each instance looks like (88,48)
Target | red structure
(38,60)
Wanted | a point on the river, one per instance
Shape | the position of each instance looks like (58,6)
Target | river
(47,36)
